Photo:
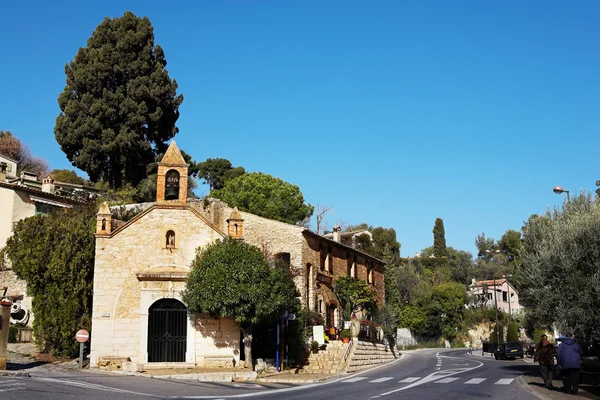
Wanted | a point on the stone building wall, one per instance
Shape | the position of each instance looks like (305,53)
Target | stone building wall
(121,300)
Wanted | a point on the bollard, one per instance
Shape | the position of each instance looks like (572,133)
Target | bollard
(4,327)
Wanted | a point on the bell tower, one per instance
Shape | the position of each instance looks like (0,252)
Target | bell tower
(172,181)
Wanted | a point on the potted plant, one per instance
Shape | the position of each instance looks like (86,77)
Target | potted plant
(345,335)
(314,347)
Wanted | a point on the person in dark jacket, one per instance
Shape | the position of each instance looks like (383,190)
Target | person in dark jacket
(569,358)
(544,354)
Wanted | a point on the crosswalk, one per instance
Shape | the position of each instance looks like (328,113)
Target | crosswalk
(10,385)
(412,379)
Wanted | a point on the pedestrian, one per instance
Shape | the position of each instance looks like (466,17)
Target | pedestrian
(544,355)
(569,358)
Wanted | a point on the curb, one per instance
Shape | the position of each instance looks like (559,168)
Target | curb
(526,386)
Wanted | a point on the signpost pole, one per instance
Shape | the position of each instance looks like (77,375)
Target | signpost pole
(80,355)
(81,336)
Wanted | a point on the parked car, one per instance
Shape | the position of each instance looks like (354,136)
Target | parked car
(508,350)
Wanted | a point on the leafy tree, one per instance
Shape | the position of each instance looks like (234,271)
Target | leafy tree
(267,196)
(512,332)
(559,267)
(510,246)
(439,239)
(445,305)
(459,262)
(242,285)
(482,243)
(12,147)
(55,255)
(67,176)
(119,106)
(413,318)
(355,295)
(216,171)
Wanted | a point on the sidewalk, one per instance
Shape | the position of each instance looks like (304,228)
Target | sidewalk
(531,380)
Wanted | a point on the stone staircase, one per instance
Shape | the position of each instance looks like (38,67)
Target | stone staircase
(328,361)
(367,354)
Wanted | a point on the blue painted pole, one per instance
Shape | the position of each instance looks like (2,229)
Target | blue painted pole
(277,345)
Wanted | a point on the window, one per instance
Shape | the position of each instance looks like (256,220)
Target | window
(170,240)
(489,296)
(505,296)
(283,259)
(329,260)
(103,224)
(43,209)
(172,185)
(369,272)
(321,305)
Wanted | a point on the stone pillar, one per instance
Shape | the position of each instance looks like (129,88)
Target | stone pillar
(4,324)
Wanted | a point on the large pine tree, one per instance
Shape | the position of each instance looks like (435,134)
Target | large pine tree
(119,107)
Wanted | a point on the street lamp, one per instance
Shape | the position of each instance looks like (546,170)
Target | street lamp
(560,190)
(491,253)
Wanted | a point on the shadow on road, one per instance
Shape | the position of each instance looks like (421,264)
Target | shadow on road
(19,366)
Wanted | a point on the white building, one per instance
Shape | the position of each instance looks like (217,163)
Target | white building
(495,293)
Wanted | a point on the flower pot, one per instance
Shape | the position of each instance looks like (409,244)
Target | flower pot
(346,339)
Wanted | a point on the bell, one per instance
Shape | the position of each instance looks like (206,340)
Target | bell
(172,193)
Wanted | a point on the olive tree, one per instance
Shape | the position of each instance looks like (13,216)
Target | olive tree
(559,275)
(234,279)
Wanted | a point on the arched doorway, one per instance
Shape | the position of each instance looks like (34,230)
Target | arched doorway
(167,331)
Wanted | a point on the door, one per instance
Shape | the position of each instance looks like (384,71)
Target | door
(167,331)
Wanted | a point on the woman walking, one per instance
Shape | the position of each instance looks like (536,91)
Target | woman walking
(544,354)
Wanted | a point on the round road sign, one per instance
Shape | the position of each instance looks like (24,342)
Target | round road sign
(82,336)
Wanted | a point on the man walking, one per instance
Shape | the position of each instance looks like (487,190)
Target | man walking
(569,358)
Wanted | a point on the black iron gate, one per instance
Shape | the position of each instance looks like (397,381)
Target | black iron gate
(167,331)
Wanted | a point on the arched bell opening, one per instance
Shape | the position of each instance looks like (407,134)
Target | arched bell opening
(172,185)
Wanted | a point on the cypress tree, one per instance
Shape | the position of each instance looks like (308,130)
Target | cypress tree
(439,239)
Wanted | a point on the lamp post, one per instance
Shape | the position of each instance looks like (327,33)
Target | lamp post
(491,253)
(560,190)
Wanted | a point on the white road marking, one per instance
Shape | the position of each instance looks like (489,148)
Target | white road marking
(358,378)
(446,380)
(504,381)
(92,386)
(410,380)
(475,381)
(434,376)
(387,378)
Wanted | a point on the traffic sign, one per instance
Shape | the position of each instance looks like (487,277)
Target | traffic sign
(82,336)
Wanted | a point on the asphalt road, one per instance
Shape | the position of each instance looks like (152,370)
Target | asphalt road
(425,374)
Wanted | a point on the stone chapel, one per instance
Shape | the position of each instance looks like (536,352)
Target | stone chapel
(141,265)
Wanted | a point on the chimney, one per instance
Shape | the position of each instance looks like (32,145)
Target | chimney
(3,167)
(337,233)
(48,185)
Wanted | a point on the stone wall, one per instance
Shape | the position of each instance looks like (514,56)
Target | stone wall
(121,301)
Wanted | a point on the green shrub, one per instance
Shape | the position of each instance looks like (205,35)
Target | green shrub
(512,334)
(345,333)
(314,346)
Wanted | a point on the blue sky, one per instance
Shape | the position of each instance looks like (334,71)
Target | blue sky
(393,113)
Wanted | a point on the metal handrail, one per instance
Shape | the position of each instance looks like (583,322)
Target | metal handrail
(347,353)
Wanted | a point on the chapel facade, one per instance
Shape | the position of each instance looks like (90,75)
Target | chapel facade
(139,319)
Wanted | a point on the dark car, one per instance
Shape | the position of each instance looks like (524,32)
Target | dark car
(508,350)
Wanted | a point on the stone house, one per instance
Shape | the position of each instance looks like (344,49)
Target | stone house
(21,198)
(138,318)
